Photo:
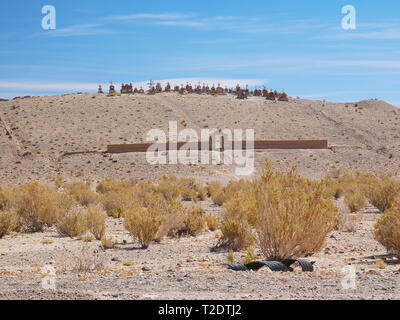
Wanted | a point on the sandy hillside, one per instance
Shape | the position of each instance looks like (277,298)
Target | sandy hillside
(363,135)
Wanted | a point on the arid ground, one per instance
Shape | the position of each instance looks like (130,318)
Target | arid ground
(37,135)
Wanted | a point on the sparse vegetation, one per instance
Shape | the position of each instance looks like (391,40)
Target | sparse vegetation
(143,224)
(96,222)
(387,229)
(72,224)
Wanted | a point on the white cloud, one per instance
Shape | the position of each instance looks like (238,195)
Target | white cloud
(77,30)
(150,16)
(47,86)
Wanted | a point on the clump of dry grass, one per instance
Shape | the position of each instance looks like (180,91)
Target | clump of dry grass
(96,222)
(195,221)
(8,222)
(237,234)
(37,205)
(355,200)
(72,224)
(5,198)
(384,192)
(387,229)
(179,220)
(216,192)
(80,191)
(251,256)
(143,224)
(213,222)
(294,216)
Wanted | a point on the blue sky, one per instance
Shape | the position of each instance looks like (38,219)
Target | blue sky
(298,46)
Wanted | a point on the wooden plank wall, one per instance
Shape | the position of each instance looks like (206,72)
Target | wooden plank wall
(258,145)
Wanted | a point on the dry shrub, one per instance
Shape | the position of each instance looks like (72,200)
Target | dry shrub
(116,202)
(109,185)
(96,222)
(355,200)
(81,193)
(8,222)
(213,222)
(387,229)
(219,197)
(173,220)
(72,224)
(289,213)
(384,192)
(195,221)
(169,188)
(5,198)
(143,224)
(180,221)
(294,218)
(216,192)
(251,256)
(189,195)
(243,204)
(37,205)
(237,234)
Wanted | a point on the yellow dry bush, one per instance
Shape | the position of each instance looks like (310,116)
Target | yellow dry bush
(243,204)
(213,222)
(116,202)
(355,200)
(169,187)
(293,223)
(384,192)
(8,222)
(195,221)
(37,205)
(81,193)
(237,234)
(387,229)
(5,198)
(189,195)
(143,224)
(173,219)
(96,222)
(178,221)
(251,256)
(72,224)
(109,185)
(213,187)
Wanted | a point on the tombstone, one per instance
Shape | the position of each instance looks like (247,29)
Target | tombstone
(283,97)
(111,89)
(241,95)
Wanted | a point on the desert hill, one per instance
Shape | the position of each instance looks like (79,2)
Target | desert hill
(35,132)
